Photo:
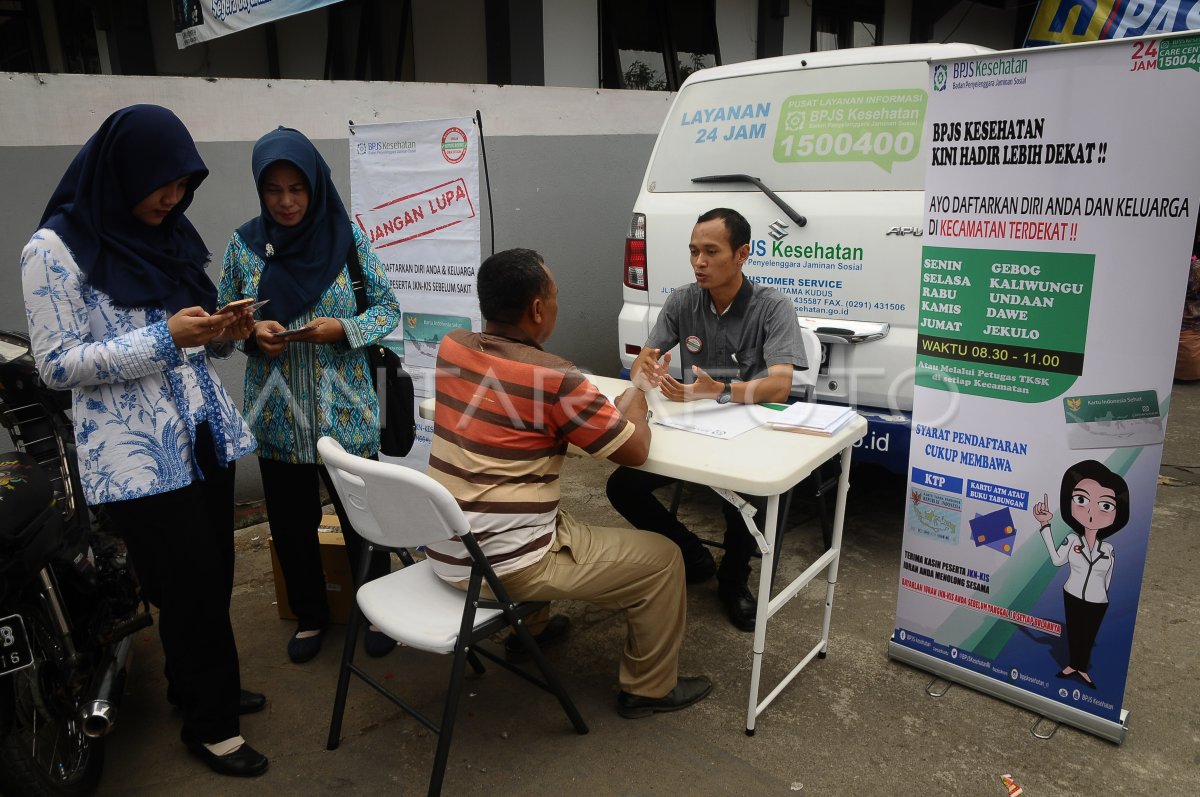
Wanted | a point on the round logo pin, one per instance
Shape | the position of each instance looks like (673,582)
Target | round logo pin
(693,344)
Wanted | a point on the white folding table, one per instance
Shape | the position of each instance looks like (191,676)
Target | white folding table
(760,462)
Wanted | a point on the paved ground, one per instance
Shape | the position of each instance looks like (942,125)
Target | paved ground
(853,724)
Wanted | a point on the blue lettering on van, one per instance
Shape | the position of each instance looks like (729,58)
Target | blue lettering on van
(743,132)
(725,113)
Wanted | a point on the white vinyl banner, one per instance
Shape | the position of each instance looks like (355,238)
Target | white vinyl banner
(1060,197)
(414,190)
(200,20)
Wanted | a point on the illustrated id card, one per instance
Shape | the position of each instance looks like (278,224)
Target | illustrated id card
(422,334)
(1113,420)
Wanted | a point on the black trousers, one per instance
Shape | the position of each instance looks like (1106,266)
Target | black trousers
(1083,620)
(181,544)
(293,499)
(631,493)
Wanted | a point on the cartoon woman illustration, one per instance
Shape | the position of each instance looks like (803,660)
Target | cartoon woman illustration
(1099,508)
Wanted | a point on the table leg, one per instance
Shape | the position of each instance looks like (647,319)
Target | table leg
(839,516)
(764,599)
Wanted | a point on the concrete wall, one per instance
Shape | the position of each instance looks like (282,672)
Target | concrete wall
(571,42)
(565,166)
(977,24)
(450,41)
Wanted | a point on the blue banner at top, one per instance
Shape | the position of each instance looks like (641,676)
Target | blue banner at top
(1067,21)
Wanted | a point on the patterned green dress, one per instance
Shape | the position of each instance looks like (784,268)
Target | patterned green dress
(312,390)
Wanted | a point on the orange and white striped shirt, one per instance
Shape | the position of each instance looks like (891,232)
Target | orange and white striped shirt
(506,411)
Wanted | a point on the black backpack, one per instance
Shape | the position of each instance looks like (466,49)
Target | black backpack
(393,385)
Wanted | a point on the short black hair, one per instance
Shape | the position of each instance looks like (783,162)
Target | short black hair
(1098,472)
(508,282)
(735,224)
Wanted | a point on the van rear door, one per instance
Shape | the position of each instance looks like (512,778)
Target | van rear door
(838,137)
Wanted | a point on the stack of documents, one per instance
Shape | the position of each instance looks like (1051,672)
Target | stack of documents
(709,418)
(818,419)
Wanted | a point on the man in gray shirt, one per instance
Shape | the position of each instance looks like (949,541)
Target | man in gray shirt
(740,342)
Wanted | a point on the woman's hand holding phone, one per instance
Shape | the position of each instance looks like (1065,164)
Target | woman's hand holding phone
(192,326)
(238,319)
(265,335)
(287,333)
(322,330)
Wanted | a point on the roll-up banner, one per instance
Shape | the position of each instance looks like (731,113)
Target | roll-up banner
(414,190)
(1061,195)
(200,20)
(1070,21)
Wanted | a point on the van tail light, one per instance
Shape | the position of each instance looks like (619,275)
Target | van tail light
(635,253)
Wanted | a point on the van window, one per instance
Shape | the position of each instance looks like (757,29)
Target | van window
(845,128)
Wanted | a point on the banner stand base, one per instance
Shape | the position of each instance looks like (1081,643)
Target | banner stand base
(1105,729)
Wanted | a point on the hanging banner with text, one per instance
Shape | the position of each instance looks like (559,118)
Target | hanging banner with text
(1061,190)
(1071,21)
(200,20)
(414,190)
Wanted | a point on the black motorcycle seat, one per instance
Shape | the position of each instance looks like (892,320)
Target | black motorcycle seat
(30,525)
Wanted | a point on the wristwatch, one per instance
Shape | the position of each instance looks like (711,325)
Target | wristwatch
(726,394)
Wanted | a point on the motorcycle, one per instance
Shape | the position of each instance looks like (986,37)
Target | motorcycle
(69,599)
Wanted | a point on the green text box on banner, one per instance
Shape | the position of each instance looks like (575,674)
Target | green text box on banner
(1003,324)
(880,127)
(1180,54)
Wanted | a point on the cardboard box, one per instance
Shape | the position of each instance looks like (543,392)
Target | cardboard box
(339,585)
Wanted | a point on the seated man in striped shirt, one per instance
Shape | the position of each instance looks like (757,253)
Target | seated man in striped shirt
(506,411)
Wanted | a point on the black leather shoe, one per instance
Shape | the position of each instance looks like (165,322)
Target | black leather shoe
(686,692)
(244,762)
(304,649)
(377,644)
(699,567)
(739,605)
(251,702)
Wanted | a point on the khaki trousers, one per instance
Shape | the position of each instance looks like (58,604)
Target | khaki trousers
(619,569)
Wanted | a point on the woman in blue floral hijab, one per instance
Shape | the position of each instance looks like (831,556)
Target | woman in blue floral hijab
(122,313)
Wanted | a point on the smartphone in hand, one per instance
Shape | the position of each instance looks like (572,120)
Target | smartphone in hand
(238,304)
(287,333)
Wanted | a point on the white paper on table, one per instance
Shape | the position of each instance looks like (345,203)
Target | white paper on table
(822,417)
(724,421)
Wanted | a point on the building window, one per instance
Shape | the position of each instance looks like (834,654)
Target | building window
(21,48)
(655,45)
(838,24)
(80,49)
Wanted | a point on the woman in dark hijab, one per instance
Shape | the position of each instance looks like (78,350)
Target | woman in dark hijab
(307,373)
(121,312)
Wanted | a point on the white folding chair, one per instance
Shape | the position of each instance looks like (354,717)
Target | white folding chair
(395,507)
(805,382)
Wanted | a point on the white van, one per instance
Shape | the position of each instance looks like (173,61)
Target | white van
(824,154)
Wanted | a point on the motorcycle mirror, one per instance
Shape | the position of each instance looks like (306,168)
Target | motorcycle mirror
(13,346)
